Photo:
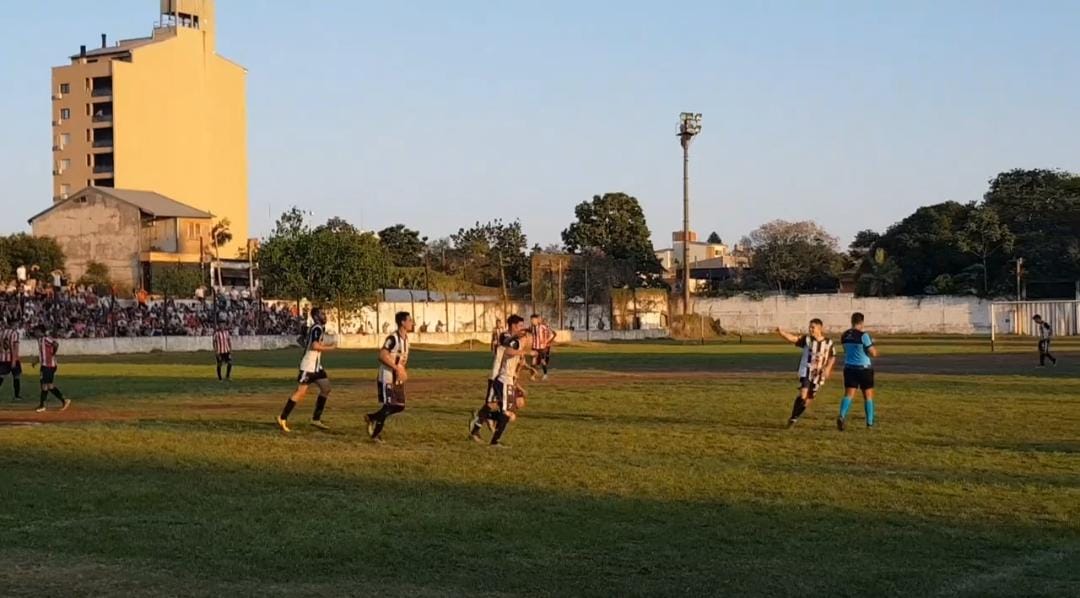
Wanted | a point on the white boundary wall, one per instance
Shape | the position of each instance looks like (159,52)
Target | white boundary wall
(896,315)
(189,344)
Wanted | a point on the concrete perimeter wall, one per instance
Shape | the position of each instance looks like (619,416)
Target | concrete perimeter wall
(189,344)
(896,315)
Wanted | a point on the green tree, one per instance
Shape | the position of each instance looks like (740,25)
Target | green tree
(880,276)
(284,258)
(24,250)
(1042,210)
(925,245)
(614,224)
(486,254)
(404,245)
(97,277)
(983,236)
(174,280)
(863,245)
(790,255)
(715,239)
(220,234)
(349,267)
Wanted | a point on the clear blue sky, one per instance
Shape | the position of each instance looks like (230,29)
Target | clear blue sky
(438,114)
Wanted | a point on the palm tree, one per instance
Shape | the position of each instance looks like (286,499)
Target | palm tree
(880,275)
(220,235)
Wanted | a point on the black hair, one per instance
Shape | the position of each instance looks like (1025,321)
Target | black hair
(316,310)
(1036,317)
(817,321)
(857,318)
(514,319)
(400,317)
(534,316)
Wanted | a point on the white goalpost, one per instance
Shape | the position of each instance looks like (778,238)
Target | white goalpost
(1013,318)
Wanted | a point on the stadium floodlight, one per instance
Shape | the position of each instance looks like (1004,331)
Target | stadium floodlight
(689,127)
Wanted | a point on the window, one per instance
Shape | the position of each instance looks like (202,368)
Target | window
(65,113)
(65,164)
(65,88)
(194,231)
(65,139)
(64,190)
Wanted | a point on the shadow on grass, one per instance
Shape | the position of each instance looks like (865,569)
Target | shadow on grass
(264,527)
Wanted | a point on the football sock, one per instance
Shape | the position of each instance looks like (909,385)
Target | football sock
(44,395)
(320,404)
(219,371)
(798,408)
(869,405)
(289,405)
(18,387)
(56,393)
(845,405)
(228,370)
(504,420)
(544,367)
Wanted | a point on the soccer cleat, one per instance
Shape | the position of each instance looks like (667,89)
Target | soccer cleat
(317,423)
(39,410)
(370,426)
(840,424)
(16,399)
(544,378)
(283,424)
(377,439)
(476,438)
(67,403)
(497,445)
(791,423)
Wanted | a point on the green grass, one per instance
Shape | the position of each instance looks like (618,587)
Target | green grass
(657,469)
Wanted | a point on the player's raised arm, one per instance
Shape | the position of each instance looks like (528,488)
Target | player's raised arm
(791,338)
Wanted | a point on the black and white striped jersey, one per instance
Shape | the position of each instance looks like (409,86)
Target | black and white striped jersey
(815,356)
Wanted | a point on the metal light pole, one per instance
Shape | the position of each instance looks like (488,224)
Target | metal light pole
(689,126)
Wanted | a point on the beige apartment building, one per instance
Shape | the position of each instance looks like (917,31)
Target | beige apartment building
(162,114)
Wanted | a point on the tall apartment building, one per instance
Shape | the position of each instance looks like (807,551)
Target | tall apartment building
(162,114)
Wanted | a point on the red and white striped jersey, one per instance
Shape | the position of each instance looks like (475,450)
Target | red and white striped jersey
(9,345)
(47,347)
(542,335)
(222,342)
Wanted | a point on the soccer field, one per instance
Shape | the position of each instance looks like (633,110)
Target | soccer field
(638,470)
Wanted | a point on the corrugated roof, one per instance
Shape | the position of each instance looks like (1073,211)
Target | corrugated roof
(154,204)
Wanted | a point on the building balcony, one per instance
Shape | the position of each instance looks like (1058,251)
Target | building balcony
(101,92)
(103,169)
(102,144)
(103,118)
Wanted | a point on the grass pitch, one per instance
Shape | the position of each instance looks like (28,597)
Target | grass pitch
(638,470)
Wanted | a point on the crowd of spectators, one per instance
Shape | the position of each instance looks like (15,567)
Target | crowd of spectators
(81,312)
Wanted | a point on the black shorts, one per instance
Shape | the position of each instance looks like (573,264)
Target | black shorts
(543,356)
(311,377)
(811,387)
(391,394)
(14,370)
(48,375)
(1044,345)
(860,378)
(224,358)
(501,394)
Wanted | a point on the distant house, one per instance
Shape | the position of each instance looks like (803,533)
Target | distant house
(127,231)
(705,258)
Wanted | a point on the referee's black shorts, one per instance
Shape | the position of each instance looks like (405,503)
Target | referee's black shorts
(860,378)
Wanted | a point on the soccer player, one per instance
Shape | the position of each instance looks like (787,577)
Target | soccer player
(500,399)
(47,347)
(393,360)
(815,367)
(223,350)
(858,370)
(542,337)
(311,372)
(1046,332)
(496,336)
(9,358)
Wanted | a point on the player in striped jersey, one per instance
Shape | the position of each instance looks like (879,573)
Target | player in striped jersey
(393,373)
(503,391)
(542,337)
(9,358)
(815,367)
(311,372)
(223,350)
(1046,333)
(47,348)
